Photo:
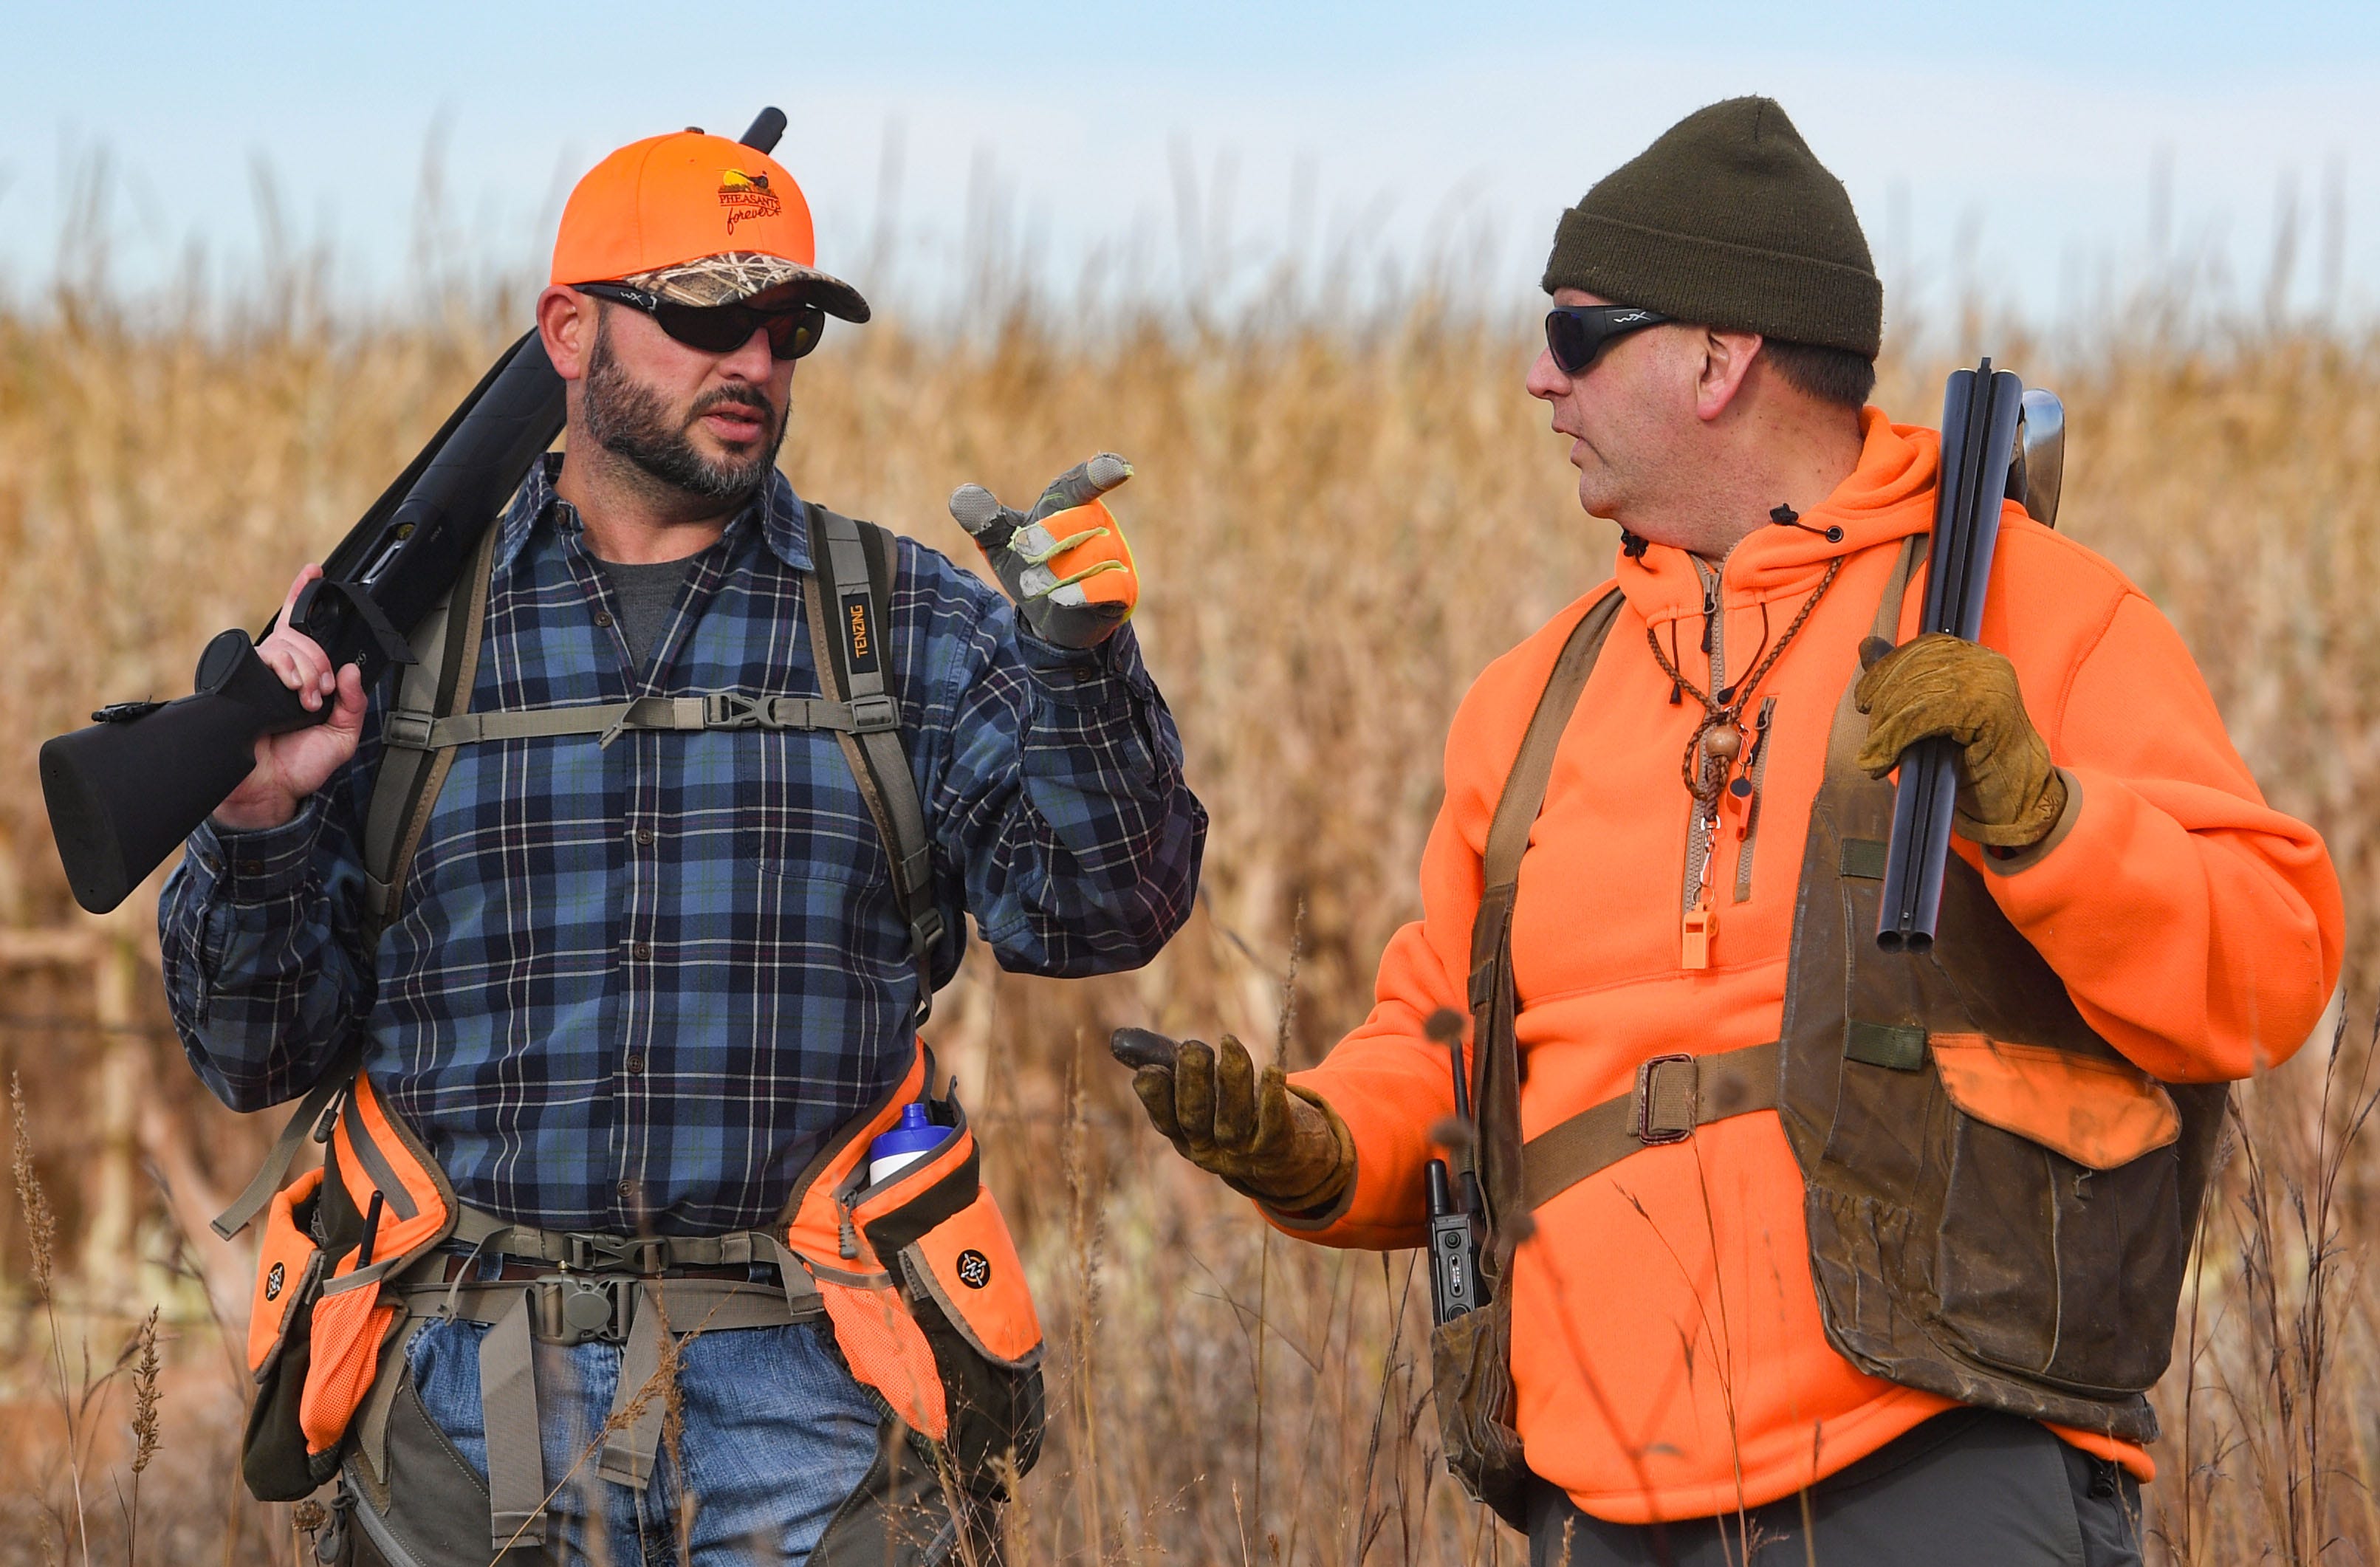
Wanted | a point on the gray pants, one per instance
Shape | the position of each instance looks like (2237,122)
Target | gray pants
(1969,1488)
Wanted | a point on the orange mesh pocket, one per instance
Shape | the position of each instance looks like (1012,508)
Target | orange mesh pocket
(286,1264)
(2100,1114)
(881,1343)
(969,1263)
(348,1332)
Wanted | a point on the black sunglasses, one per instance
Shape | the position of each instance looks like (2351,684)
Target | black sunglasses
(1577,333)
(722,329)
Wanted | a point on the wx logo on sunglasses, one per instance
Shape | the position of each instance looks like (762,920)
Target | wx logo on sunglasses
(1576,334)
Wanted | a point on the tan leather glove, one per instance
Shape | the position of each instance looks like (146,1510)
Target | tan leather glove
(2010,794)
(1268,1140)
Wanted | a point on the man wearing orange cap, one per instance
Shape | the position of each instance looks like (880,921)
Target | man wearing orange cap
(1799,1250)
(614,990)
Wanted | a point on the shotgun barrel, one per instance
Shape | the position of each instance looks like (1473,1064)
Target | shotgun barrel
(1980,411)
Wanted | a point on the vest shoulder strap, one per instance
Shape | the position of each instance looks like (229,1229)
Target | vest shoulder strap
(1494,1054)
(849,600)
(405,789)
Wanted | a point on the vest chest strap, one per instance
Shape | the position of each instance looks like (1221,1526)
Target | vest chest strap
(1675,1095)
(412,730)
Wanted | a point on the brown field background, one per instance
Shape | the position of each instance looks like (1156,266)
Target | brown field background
(1338,522)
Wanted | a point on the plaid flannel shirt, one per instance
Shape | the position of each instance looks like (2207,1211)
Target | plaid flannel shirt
(638,986)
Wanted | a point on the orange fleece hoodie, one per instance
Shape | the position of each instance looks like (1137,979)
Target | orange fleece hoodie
(1666,1350)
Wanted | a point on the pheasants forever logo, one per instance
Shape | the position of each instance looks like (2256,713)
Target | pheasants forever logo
(747,196)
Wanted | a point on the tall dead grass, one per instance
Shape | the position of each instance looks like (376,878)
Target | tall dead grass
(1338,523)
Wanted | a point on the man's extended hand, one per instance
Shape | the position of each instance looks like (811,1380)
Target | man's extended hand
(2010,794)
(1279,1144)
(290,767)
(1064,563)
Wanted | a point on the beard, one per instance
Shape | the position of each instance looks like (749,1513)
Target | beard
(629,419)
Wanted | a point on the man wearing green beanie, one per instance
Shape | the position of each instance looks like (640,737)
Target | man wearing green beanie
(1797,1250)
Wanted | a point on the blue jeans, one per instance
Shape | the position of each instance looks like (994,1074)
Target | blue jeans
(775,1435)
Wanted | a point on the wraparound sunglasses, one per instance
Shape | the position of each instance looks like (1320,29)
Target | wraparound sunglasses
(721,329)
(1576,334)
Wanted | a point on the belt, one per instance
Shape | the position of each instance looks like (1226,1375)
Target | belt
(511,1268)
(584,1252)
(623,1290)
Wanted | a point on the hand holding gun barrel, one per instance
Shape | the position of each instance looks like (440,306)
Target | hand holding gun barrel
(1945,710)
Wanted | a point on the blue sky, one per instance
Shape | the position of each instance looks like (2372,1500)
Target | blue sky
(1183,148)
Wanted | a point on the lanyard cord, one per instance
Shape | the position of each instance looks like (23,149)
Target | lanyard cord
(1716,714)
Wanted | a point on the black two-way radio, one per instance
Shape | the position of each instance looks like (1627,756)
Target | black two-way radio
(1457,1214)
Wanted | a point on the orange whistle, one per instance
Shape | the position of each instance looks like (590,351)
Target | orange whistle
(1702,928)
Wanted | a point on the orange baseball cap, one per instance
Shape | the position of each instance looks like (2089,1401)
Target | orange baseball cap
(698,219)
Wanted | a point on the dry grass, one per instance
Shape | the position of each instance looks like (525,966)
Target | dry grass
(1338,524)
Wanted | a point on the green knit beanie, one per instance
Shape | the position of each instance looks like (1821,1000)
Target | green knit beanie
(1727,221)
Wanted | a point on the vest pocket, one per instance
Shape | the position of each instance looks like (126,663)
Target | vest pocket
(2062,1268)
(970,1296)
(288,1270)
(2100,1114)
(950,1340)
(273,1460)
(1471,1383)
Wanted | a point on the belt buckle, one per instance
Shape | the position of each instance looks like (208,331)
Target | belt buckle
(589,1309)
(1650,1132)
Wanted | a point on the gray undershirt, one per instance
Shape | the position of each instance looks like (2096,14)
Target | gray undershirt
(646,594)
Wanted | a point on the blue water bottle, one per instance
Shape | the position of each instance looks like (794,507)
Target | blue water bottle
(903,1145)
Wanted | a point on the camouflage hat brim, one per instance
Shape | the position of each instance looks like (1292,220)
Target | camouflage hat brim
(738,276)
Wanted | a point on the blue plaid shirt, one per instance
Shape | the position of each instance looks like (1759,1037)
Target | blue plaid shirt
(638,986)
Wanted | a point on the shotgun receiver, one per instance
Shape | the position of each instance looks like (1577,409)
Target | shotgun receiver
(1999,440)
(125,791)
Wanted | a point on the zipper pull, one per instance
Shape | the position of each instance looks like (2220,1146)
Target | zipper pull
(846,1237)
(1743,788)
(1701,930)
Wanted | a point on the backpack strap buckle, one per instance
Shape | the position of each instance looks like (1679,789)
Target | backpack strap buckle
(406,729)
(732,709)
(1667,1095)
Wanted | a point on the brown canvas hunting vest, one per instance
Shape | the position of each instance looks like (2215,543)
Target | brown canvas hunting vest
(1948,1252)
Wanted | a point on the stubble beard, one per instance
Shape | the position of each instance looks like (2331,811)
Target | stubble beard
(629,419)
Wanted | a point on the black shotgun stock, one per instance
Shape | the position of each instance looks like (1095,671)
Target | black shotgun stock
(1980,410)
(123,793)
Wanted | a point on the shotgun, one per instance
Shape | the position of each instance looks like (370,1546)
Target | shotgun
(1999,440)
(124,793)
